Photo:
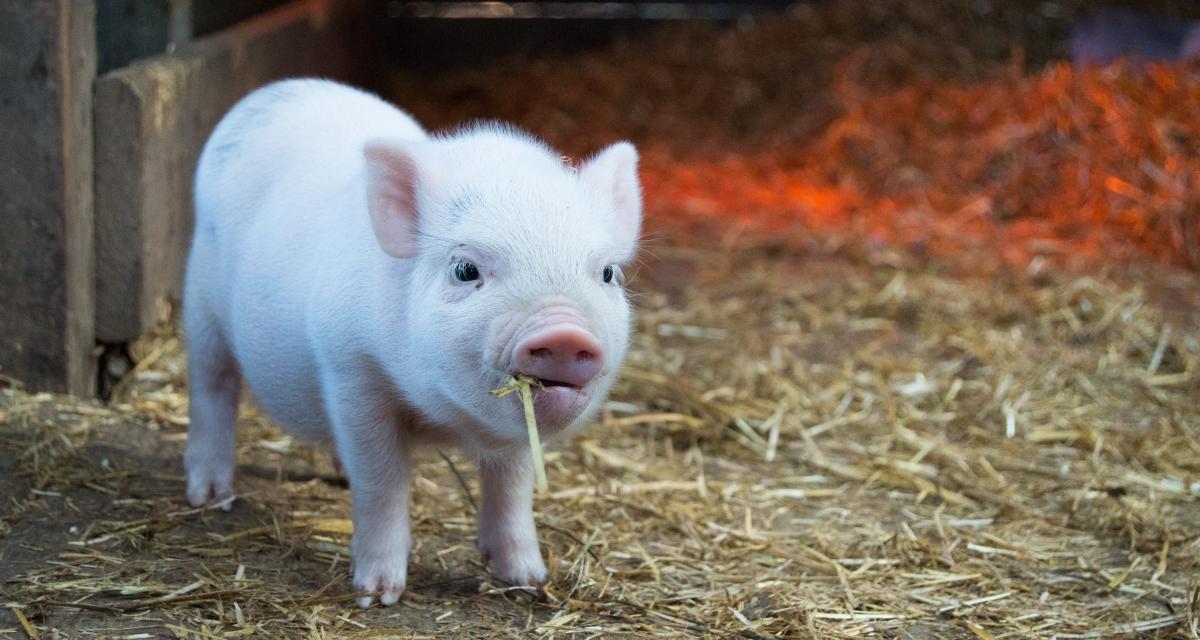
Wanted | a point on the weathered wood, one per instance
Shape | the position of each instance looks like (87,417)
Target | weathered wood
(47,67)
(152,119)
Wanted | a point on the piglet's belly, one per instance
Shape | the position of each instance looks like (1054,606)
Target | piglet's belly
(293,402)
(281,372)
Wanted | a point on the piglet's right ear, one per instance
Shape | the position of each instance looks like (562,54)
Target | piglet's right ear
(394,176)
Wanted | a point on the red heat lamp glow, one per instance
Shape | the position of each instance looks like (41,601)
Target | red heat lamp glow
(1098,162)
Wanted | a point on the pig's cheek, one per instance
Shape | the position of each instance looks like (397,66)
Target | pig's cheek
(458,293)
(498,342)
(617,326)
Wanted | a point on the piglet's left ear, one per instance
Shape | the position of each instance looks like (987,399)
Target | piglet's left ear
(612,173)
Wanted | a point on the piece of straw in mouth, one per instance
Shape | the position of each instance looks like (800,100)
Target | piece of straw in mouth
(523,384)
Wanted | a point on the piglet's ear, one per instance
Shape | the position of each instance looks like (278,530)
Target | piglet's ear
(613,174)
(394,176)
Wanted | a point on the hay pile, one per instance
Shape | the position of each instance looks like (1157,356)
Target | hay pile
(799,448)
(925,125)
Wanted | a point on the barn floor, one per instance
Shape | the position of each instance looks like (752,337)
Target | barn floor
(917,356)
(815,446)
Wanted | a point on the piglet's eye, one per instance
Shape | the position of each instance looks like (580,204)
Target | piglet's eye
(465,272)
(612,272)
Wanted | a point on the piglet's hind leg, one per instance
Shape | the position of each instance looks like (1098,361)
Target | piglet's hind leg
(214,384)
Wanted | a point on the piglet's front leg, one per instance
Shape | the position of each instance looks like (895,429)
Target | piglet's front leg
(507,535)
(378,467)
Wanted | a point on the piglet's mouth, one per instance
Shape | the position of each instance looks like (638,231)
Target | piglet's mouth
(557,403)
(547,383)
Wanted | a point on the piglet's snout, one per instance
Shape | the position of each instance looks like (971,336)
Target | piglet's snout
(562,353)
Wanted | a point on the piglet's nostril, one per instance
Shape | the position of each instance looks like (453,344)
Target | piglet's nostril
(565,354)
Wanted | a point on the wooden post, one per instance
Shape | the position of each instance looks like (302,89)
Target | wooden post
(47,67)
(152,119)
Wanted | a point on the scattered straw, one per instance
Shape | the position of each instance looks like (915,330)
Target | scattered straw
(523,384)
(24,622)
(895,501)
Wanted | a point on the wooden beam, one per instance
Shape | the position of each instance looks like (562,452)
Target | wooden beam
(152,119)
(47,67)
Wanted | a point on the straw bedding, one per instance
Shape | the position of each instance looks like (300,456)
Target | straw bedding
(800,447)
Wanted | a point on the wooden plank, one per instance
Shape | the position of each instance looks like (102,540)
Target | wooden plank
(152,119)
(47,67)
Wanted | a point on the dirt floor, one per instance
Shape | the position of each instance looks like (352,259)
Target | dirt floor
(815,446)
(866,418)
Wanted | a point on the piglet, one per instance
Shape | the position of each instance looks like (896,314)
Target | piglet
(372,283)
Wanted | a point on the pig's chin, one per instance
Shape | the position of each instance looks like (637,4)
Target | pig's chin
(557,407)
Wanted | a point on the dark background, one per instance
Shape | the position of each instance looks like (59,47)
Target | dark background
(440,35)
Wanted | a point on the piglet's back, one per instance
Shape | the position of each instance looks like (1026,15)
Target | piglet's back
(305,136)
(282,229)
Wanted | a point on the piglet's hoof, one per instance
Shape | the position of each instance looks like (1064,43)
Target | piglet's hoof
(517,565)
(380,575)
(380,582)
